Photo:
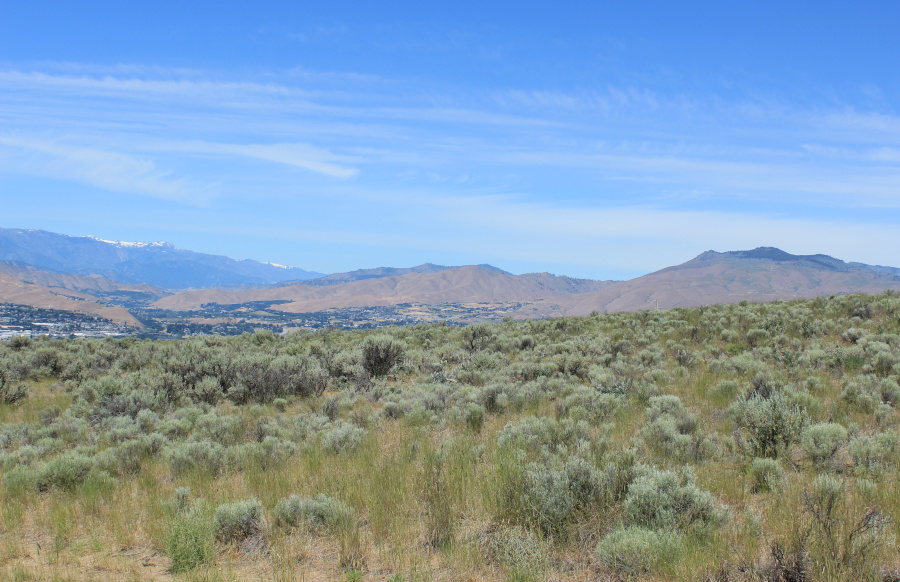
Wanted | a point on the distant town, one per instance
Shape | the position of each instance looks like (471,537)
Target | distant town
(228,320)
(23,320)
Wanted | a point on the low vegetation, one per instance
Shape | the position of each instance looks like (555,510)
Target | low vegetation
(732,442)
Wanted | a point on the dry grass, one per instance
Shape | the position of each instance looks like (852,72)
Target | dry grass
(426,488)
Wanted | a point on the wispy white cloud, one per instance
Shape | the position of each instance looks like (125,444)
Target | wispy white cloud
(600,164)
(109,170)
(868,122)
(886,155)
(298,155)
(145,88)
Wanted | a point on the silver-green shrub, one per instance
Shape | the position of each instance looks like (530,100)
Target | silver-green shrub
(822,441)
(553,490)
(533,433)
(875,452)
(65,471)
(765,475)
(237,521)
(660,499)
(321,513)
(768,425)
(201,456)
(342,437)
(636,550)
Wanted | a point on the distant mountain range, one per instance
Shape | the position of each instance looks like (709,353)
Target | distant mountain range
(156,263)
(470,284)
(85,274)
(762,274)
(377,273)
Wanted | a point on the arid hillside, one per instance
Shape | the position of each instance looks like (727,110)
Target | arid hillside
(86,283)
(13,290)
(463,284)
(757,276)
(763,274)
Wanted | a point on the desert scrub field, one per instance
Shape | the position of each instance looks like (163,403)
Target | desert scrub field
(733,442)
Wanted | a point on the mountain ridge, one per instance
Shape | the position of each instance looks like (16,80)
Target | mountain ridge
(760,274)
(376,273)
(159,264)
(473,283)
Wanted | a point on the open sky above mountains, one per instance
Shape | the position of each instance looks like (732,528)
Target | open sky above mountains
(599,140)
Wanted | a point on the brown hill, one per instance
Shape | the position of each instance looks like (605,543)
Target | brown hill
(13,290)
(458,285)
(562,285)
(763,274)
(86,283)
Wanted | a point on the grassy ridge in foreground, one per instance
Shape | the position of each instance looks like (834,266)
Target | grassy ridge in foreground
(733,442)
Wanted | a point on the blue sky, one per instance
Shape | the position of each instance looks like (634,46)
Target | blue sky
(600,140)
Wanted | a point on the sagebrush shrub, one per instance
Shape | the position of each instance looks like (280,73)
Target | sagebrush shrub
(320,513)
(200,456)
(636,550)
(769,425)
(823,440)
(474,417)
(672,429)
(238,521)
(591,405)
(66,471)
(548,492)
(342,437)
(478,336)
(532,433)
(208,390)
(875,451)
(659,499)
(765,475)
(11,391)
(380,353)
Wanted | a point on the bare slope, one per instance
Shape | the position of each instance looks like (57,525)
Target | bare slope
(458,285)
(764,274)
(363,274)
(13,290)
(86,283)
